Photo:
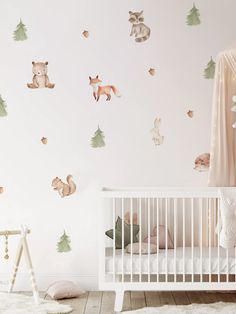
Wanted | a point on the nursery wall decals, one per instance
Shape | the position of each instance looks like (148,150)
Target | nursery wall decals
(147,67)
(190,113)
(193,18)
(202,162)
(156,136)
(152,71)
(20,33)
(63,245)
(44,140)
(85,34)
(40,77)
(3,106)
(99,90)
(209,72)
(64,189)
(98,139)
(139,29)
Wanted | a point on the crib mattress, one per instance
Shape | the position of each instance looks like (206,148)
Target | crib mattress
(150,265)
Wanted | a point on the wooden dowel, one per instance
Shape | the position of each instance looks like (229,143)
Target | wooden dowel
(11,232)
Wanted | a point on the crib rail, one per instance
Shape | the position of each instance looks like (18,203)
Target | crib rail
(187,254)
(172,192)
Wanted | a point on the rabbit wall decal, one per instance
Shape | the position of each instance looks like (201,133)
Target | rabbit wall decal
(156,136)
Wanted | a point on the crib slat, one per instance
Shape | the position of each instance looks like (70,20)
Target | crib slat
(235,263)
(183,200)
(140,239)
(114,237)
(209,225)
(149,231)
(131,238)
(192,237)
(153,220)
(175,237)
(157,235)
(215,222)
(166,240)
(122,238)
(200,225)
(218,238)
(227,255)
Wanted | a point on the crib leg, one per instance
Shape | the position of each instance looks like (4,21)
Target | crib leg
(119,300)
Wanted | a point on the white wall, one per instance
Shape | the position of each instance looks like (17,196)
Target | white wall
(68,114)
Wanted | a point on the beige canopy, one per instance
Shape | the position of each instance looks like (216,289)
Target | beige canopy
(223,136)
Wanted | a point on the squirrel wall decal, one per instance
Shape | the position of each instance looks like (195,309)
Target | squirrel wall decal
(64,189)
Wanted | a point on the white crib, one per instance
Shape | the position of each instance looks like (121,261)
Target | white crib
(190,216)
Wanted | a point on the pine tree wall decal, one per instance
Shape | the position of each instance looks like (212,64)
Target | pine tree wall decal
(209,72)
(98,139)
(64,244)
(194,17)
(3,106)
(20,32)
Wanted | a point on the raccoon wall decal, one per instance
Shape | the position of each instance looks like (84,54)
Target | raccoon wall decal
(139,29)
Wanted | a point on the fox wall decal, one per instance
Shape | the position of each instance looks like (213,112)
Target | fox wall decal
(99,90)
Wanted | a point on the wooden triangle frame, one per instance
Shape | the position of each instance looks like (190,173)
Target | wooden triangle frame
(23,249)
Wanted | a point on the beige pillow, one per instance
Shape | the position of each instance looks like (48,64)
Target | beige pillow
(144,248)
(161,237)
(64,290)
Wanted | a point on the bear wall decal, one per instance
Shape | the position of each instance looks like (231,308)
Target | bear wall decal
(40,78)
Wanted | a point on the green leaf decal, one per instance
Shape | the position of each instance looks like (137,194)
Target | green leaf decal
(20,32)
(209,72)
(64,244)
(193,18)
(3,106)
(98,139)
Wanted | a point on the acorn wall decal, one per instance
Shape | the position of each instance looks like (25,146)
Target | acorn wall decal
(152,71)
(44,140)
(85,34)
(190,113)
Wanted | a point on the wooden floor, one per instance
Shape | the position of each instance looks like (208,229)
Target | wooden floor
(102,302)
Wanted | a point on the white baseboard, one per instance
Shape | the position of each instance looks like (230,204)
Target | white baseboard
(87,282)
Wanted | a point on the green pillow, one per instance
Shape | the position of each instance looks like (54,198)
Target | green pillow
(127,233)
